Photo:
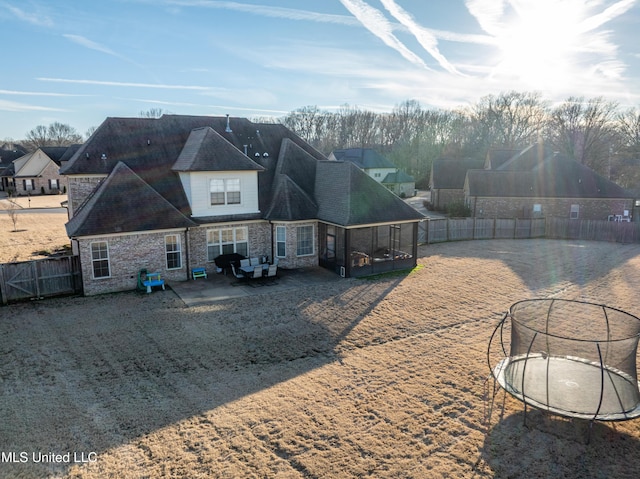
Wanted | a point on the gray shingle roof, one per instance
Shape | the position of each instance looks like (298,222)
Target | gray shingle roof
(450,174)
(206,150)
(142,157)
(122,203)
(347,196)
(364,158)
(556,177)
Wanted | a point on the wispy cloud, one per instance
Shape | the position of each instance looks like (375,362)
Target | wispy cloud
(38,19)
(374,21)
(16,107)
(610,13)
(125,84)
(427,40)
(90,44)
(37,93)
(265,11)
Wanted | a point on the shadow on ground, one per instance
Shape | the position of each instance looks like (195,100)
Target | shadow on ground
(558,447)
(89,374)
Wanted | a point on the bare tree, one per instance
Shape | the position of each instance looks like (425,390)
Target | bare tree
(61,134)
(152,113)
(12,212)
(584,130)
(56,134)
(511,120)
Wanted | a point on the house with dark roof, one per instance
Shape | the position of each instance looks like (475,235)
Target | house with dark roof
(174,193)
(555,187)
(38,172)
(379,168)
(530,182)
(447,180)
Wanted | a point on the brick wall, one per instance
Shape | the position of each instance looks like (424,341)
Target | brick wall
(590,209)
(291,260)
(440,198)
(127,255)
(79,189)
(259,242)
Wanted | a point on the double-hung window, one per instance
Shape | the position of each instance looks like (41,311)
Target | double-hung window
(27,185)
(304,240)
(281,241)
(173,251)
(226,241)
(224,191)
(100,259)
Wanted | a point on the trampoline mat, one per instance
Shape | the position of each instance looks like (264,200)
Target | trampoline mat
(570,386)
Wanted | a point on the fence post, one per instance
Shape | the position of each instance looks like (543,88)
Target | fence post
(3,286)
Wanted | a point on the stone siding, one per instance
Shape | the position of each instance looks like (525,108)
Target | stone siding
(590,209)
(127,255)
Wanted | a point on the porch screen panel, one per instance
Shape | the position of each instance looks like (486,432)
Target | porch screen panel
(406,240)
(361,247)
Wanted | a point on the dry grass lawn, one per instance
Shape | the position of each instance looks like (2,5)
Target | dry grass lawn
(356,378)
(33,234)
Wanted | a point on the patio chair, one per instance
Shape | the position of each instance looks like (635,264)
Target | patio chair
(236,274)
(257,272)
(272,272)
(254,262)
(244,262)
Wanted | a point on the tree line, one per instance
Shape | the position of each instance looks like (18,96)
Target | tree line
(595,132)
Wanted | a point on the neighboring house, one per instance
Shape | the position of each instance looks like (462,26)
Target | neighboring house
(556,187)
(8,153)
(532,182)
(174,193)
(378,168)
(447,181)
(38,172)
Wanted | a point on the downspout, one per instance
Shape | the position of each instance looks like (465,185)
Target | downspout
(186,253)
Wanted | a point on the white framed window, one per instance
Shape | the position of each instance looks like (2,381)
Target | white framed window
(227,240)
(304,240)
(173,251)
(224,191)
(27,185)
(100,259)
(281,241)
(575,212)
(53,184)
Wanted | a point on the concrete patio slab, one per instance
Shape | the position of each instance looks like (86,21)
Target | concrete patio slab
(218,287)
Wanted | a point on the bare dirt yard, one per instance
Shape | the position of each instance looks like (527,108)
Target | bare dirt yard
(355,378)
(34,234)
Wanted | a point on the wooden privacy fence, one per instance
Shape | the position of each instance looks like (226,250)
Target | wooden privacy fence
(40,278)
(620,232)
(457,229)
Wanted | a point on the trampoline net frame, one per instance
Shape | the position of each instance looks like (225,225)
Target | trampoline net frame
(571,358)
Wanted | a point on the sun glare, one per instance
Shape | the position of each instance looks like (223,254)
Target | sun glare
(538,42)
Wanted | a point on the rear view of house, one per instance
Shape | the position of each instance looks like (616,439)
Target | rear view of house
(174,193)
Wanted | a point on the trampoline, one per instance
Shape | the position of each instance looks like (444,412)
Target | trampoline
(571,358)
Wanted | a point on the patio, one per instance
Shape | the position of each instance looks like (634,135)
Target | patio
(217,287)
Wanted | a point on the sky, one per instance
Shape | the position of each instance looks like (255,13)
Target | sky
(78,62)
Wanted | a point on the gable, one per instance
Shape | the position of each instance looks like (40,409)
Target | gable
(125,203)
(31,165)
(206,150)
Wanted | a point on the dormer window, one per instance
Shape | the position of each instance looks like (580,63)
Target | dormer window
(225,191)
